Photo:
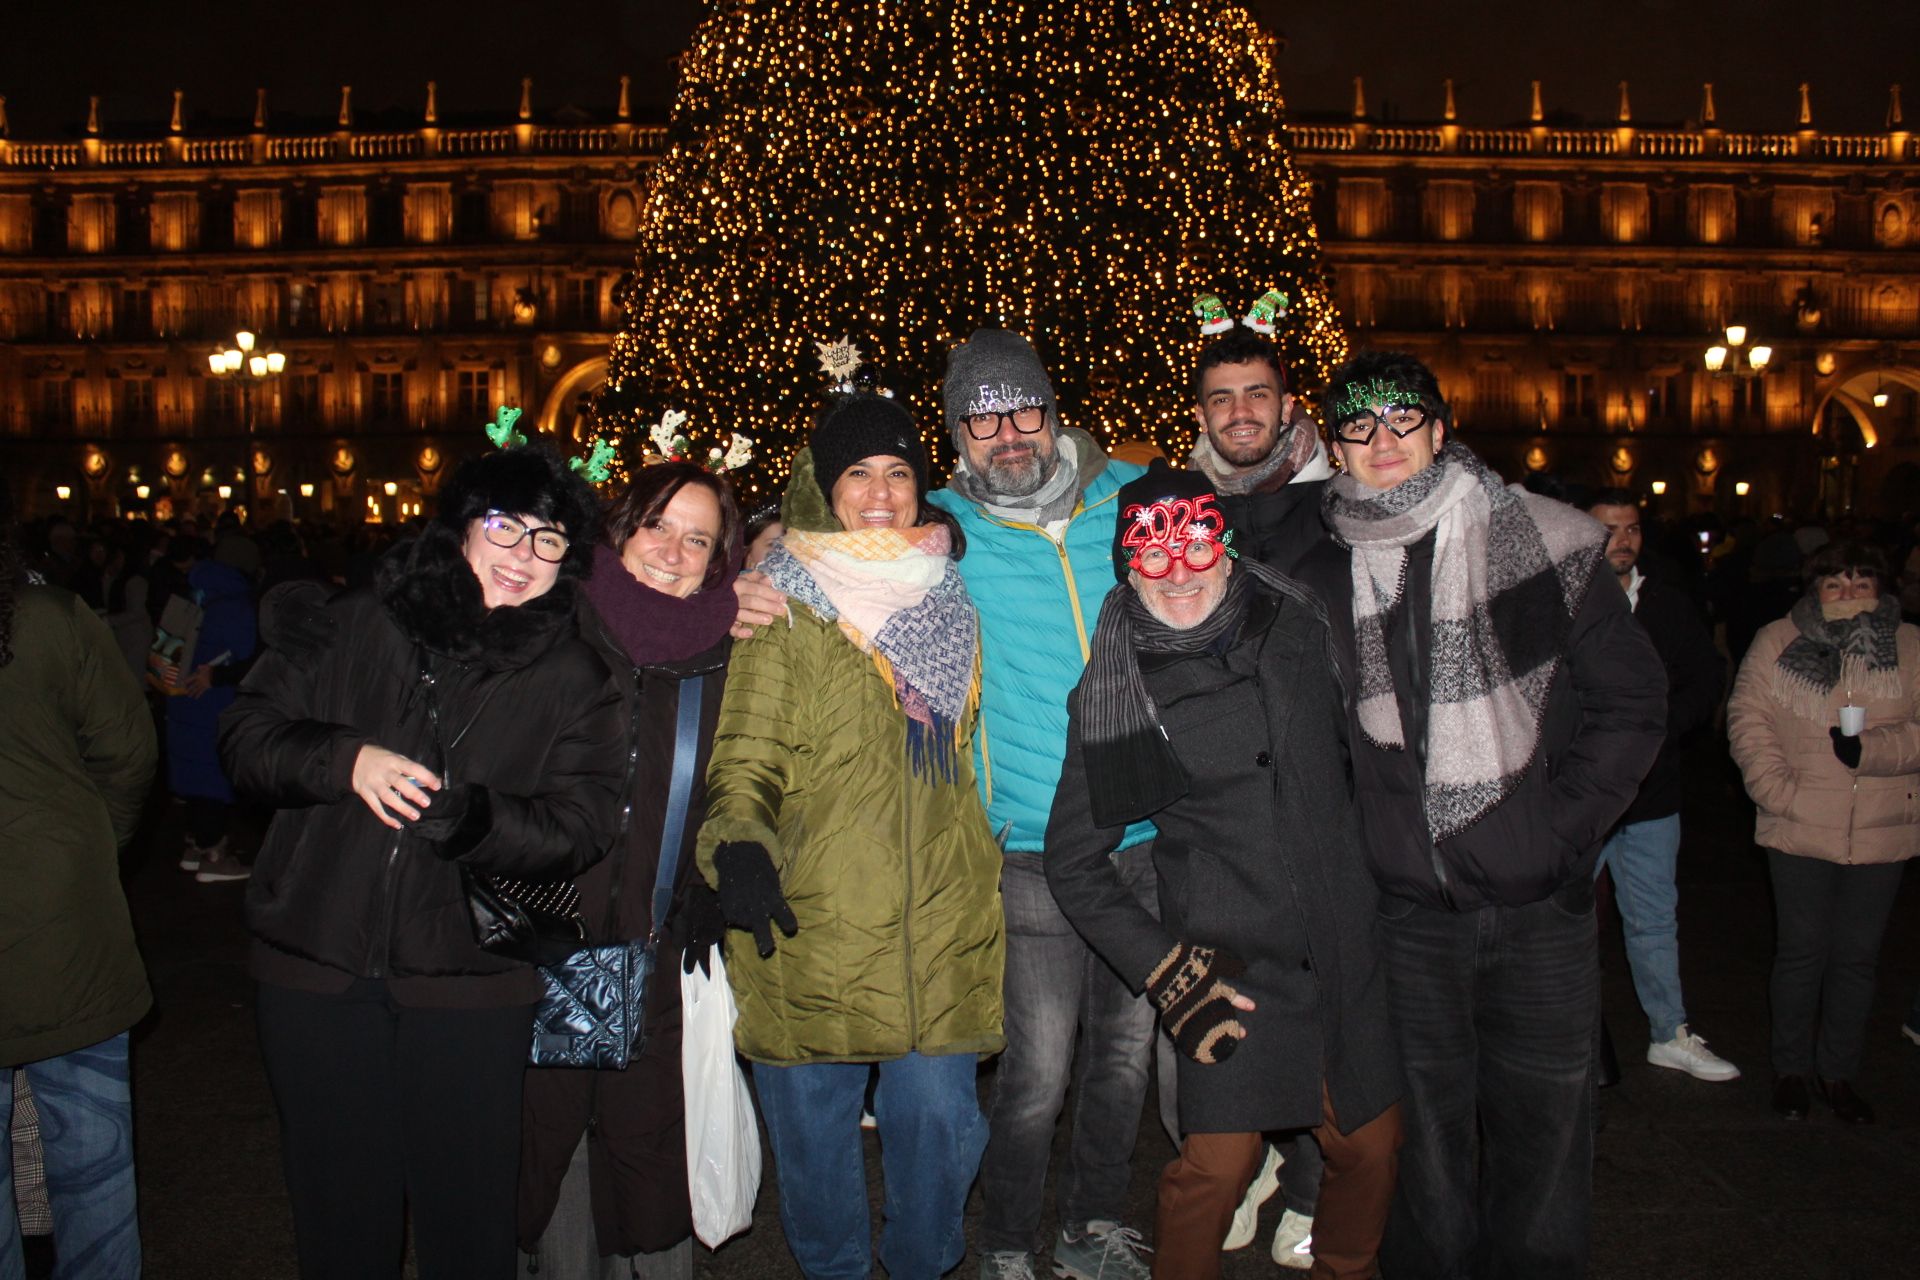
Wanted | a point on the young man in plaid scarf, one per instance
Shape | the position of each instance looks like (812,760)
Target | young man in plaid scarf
(1504,706)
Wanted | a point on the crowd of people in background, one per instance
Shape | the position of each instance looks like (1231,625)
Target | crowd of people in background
(1307,800)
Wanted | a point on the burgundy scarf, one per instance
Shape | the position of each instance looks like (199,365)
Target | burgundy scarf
(652,626)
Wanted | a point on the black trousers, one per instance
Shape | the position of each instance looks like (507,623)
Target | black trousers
(1831,918)
(385,1108)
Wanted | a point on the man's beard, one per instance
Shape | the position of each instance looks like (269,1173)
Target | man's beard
(1622,570)
(1250,454)
(1011,479)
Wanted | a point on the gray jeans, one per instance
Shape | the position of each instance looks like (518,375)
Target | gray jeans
(1056,986)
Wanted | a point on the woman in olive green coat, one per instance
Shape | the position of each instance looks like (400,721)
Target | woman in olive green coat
(842,807)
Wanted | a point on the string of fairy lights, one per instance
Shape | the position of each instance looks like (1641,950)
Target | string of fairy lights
(902,173)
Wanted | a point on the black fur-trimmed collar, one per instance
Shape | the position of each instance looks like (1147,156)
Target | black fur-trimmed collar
(431,594)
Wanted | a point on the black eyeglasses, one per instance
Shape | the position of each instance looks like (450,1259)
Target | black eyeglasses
(1027,419)
(549,543)
(1360,429)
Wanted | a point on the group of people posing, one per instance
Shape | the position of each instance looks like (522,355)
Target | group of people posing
(1302,776)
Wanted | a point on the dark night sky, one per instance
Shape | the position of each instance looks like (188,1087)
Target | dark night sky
(134,52)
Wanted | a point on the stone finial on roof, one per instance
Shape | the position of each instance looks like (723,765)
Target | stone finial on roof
(432,115)
(93,114)
(175,125)
(345,120)
(1626,109)
(625,109)
(1707,115)
(1535,112)
(1448,112)
(1893,107)
(1359,98)
(259,110)
(526,97)
(1806,105)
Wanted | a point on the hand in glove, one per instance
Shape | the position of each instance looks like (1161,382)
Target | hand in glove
(750,896)
(696,924)
(1196,1005)
(1846,749)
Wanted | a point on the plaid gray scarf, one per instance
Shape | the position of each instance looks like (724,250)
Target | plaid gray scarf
(1509,572)
(1864,650)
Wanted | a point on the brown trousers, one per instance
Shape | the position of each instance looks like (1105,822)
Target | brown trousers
(1202,1186)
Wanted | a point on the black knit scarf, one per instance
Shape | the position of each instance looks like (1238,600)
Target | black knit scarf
(1132,770)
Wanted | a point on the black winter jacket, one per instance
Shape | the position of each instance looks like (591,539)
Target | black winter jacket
(1696,680)
(1603,722)
(527,710)
(637,1156)
(1279,526)
(1263,857)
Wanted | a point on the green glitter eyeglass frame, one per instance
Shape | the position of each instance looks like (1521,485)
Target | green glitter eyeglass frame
(1401,420)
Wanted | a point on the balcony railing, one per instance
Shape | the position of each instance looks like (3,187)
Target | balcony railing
(344,146)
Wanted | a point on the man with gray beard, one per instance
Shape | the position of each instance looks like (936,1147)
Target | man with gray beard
(1036,502)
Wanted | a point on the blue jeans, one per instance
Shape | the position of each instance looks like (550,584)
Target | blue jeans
(1495,1012)
(1056,986)
(86,1128)
(1642,855)
(931,1137)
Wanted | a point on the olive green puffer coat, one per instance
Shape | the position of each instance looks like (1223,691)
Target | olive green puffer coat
(894,879)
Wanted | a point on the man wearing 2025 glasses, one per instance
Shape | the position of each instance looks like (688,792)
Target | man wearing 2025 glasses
(1504,706)
(1036,503)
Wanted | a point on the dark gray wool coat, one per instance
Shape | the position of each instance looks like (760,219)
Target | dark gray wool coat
(1261,857)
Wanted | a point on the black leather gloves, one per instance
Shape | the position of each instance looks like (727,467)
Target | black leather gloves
(750,896)
(696,924)
(1846,749)
(1189,988)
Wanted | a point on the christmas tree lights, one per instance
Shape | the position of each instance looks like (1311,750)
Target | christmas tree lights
(900,173)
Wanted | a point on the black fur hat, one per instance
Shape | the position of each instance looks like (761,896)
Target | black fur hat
(529,480)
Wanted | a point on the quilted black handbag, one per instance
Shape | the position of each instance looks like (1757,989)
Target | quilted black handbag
(592,1010)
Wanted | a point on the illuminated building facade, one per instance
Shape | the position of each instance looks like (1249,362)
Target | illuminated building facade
(1565,282)
(411,280)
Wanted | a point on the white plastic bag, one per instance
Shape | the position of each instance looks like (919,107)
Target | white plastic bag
(723,1138)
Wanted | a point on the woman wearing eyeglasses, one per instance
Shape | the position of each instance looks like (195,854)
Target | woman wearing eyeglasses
(455,718)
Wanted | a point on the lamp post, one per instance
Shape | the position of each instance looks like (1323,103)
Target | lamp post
(249,364)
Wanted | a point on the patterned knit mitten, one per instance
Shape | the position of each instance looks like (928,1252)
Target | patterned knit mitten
(1190,989)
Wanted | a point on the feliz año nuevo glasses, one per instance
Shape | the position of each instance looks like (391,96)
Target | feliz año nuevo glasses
(502,530)
(1402,421)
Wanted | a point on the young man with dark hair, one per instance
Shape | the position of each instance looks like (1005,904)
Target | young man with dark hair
(1644,848)
(1503,708)
(1258,447)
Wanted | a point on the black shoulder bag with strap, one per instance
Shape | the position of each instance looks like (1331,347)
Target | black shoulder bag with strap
(592,1010)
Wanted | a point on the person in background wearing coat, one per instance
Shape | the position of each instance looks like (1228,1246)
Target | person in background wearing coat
(222,586)
(603,1154)
(1836,813)
(1211,707)
(841,805)
(1503,708)
(456,722)
(1644,849)
(76,757)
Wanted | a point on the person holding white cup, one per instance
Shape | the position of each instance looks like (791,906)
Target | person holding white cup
(1824,723)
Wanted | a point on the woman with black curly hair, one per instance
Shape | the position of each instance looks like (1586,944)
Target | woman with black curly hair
(455,719)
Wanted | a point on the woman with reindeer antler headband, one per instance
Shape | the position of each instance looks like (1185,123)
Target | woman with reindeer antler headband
(841,808)
(448,720)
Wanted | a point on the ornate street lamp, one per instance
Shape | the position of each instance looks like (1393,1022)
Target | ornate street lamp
(250,365)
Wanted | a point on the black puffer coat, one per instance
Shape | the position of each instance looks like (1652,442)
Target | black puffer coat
(637,1158)
(527,709)
(1262,857)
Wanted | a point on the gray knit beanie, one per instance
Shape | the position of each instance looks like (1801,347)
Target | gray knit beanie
(994,371)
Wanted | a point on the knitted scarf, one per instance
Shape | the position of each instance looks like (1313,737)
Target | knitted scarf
(897,597)
(1510,570)
(1862,650)
(1297,455)
(1132,770)
(1054,500)
(652,626)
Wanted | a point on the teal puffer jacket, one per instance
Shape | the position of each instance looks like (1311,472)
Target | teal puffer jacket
(1038,601)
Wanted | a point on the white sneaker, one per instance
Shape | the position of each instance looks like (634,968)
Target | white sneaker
(1689,1053)
(1246,1219)
(1293,1241)
(1911,1030)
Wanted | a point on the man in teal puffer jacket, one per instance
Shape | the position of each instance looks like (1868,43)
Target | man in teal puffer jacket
(1036,504)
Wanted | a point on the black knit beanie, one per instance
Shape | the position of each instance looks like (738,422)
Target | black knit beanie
(1161,484)
(864,425)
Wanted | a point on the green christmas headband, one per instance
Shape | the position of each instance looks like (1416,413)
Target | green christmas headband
(596,464)
(1371,394)
(1266,312)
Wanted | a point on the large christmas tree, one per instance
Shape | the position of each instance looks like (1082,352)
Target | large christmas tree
(900,172)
